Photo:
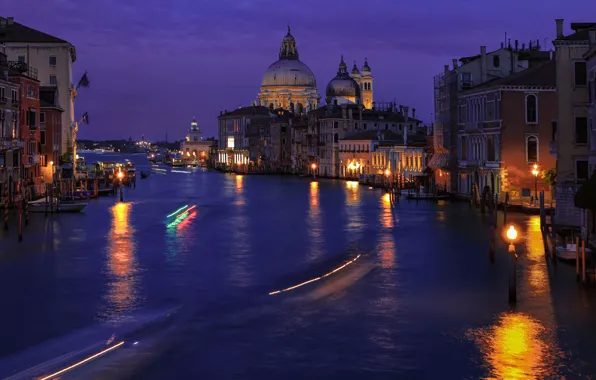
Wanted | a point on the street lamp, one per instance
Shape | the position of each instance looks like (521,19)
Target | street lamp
(120,176)
(512,236)
(313,166)
(535,172)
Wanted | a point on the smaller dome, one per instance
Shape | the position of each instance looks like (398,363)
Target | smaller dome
(355,70)
(342,85)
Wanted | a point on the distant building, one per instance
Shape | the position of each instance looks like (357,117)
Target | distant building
(194,147)
(572,138)
(590,58)
(232,131)
(506,132)
(473,71)
(50,123)
(11,147)
(52,57)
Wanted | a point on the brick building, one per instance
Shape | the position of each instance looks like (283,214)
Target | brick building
(50,134)
(505,127)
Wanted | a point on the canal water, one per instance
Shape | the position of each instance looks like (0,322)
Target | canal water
(415,295)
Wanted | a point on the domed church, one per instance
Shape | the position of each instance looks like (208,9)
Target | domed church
(351,88)
(288,82)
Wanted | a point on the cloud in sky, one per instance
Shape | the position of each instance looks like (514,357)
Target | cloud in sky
(154,64)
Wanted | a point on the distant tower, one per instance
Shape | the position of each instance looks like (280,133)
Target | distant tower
(194,133)
(366,84)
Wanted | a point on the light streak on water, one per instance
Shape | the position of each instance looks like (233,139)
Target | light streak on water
(177,211)
(100,353)
(317,278)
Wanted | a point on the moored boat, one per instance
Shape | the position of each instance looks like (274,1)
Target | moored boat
(145,175)
(568,252)
(41,205)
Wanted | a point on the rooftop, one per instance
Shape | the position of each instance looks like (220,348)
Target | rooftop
(544,74)
(250,110)
(581,31)
(11,31)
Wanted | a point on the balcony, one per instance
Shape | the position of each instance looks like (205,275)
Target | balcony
(31,159)
(3,100)
(15,103)
(21,68)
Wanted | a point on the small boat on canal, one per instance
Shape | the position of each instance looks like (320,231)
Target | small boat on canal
(145,175)
(41,205)
(569,252)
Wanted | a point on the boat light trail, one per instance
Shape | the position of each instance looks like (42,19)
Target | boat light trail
(177,211)
(317,278)
(179,171)
(82,361)
(181,216)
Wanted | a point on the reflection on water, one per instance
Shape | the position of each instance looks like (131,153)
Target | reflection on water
(238,259)
(121,260)
(177,240)
(314,226)
(517,347)
(354,221)
(386,241)
(536,266)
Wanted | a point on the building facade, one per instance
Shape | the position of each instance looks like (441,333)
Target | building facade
(505,127)
(50,134)
(11,147)
(463,75)
(572,138)
(233,128)
(53,57)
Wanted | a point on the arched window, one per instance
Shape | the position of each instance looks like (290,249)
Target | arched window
(335,137)
(532,149)
(335,124)
(531,108)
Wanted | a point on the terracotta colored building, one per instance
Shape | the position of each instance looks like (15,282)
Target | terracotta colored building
(29,129)
(505,127)
(50,134)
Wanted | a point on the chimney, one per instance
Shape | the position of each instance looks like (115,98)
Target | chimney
(454,62)
(524,46)
(401,109)
(592,34)
(10,20)
(483,63)
(413,113)
(446,69)
(502,46)
(550,54)
(516,45)
(559,22)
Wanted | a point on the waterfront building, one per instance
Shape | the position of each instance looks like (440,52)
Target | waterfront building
(464,75)
(194,147)
(25,77)
(11,146)
(590,58)
(280,139)
(505,127)
(50,133)
(572,138)
(289,81)
(232,131)
(53,57)
(335,122)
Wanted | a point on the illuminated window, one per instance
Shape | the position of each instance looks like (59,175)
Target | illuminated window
(231,142)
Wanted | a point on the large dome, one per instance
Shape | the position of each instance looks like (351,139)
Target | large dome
(287,72)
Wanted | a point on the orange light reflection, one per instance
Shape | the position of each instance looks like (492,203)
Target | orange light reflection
(121,261)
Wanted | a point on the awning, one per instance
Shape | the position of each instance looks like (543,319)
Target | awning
(439,160)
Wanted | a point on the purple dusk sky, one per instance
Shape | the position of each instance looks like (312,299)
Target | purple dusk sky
(155,64)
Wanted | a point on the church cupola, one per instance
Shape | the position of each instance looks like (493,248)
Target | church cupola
(194,126)
(366,68)
(355,70)
(366,84)
(288,47)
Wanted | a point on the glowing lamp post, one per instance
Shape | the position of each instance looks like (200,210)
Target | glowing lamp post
(314,168)
(535,172)
(120,176)
(512,236)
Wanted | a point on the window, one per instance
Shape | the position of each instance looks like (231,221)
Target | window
(582,170)
(14,96)
(581,74)
(1,93)
(30,91)
(496,61)
(466,79)
(386,127)
(581,130)
(335,138)
(531,109)
(364,126)
(53,80)
(531,149)
(490,111)
(21,59)
(42,118)
(335,124)
(490,148)
(42,137)
(52,61)
(464,148)
(553,126)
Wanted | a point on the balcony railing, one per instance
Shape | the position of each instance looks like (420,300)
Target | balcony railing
(21,68)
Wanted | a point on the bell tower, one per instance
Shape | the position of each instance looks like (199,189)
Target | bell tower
(366,85)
